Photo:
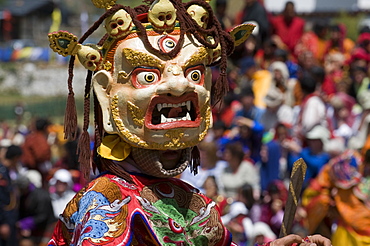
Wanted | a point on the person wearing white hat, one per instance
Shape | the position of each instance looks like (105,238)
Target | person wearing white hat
(61,190)
(276,111)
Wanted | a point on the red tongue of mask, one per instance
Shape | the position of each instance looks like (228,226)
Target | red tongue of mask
(174,112)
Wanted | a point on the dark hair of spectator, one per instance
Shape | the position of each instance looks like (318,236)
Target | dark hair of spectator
(219,125)
(13,151)
(245,92)
(367,157)
(318,74)
(229,98)
(358,68)
(247,192)
(319,26)
(41,124)
(307,82)
(221,3)
(236,150)
(281,53)
(364,29)
(335,28)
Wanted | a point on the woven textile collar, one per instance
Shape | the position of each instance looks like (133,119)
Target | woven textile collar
(148,162)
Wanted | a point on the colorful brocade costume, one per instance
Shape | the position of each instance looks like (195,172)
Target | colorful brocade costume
(111,211)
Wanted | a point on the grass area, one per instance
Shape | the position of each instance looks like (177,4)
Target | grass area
(36,106)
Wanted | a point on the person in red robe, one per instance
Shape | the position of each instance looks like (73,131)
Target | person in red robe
(288,26)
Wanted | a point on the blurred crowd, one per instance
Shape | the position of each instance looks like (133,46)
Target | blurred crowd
(297,89)
(39,175)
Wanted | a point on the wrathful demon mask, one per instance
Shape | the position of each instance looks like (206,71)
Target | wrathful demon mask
(151,73)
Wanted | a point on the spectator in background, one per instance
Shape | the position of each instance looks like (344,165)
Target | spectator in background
(249,134)
(259,80)
(362,122)
(361,81)
(361,53)
(36,149)
(270,164)
(312,110)
(61,192)
(276,111)
(209,166)
(314,41)
(334,73)
(226,109)
(226,22)
(68,158)
(250,48)
(238,172)
(340,115)
(249,109)
(338,42)
(218,135)
(282,80)
(240,218)
(247,68)
(9,200)
(255,11)
(314,154)
(266,54)
(35,212)
(282,55)
(288,26)
(211,190)
(262,233)
(272,208)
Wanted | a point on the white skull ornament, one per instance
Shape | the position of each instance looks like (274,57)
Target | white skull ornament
(118,24)
(162,15)
(199,14)
(90,57)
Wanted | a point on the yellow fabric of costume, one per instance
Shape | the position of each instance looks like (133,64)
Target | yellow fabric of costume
(114,148)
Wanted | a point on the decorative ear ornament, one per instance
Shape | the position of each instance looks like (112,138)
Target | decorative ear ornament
(63,43)
(241,32)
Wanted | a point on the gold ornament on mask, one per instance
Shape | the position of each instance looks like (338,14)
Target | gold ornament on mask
(197,58)
(206,114)
(107,66)
(132,138)
(175,136)
(136,113)
(64,43)
(241,33)
(137,58)
(103,4)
